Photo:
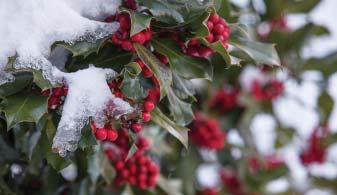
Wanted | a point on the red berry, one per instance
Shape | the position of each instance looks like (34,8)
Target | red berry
(210,25)
(214,18)
(210,37)
(220,38)
(112,135)
(124,21)
(146,116)
(193,42)
(115,39)
(101,134)
(58,91)
(192,51)
(140,63)
(147,72)
(136,127)
(139,38)
(219,29)
(205,51)
(148,106)
(127,45)
(148,34)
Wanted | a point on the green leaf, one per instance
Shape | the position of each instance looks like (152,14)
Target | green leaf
(44,146)
(181,111)
(83,48)
(87,139)
(301,6)
(98,164)
(139,21)
(40,81)
(162,73)
(134,85)
(7,153)
(170,186)
(325,103)
(183,87)
(132,151)
(261,53)
(22,80)
(24,108)
(186,66)
(103,59)
(220,49)
(178,131)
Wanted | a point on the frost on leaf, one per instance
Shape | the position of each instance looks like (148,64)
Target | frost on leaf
(5,77)
(88,96)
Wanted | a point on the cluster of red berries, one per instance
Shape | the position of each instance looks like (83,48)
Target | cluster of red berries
(269,162)
(122,36)
(131,4)
(316,151)
(231,181)
(206,133)
(218,31)
(57,96)
(268,91)
(148,104)
(139,170)
(105,133)
(225,100)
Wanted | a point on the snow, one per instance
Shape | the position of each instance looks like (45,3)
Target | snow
(332,90)
(70,172)
(88,96)
(234,138)
(277,186)
(248,75)
(208,175)
(263,132)
(326,170)
(37,24)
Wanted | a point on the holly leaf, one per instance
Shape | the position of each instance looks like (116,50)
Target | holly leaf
(178,131)
(139,21)
(183,87)
(186,66)
(98,164)
(82,48)
(22,80)
(87,139)
(220,49)
(162,73)
(181,111)
(40,81)
(24,108)
(134,86)
(260,53)
(44,146)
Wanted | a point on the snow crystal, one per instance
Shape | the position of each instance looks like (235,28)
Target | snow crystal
(5,77)
(70,172)
(326,170)
(263,132)
(234,138)
(37,24)
(208,175)
(88,96)
(332,90)
(277,186)
(319,192)
(250,74)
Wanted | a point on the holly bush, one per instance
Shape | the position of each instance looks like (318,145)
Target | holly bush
(179,65)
